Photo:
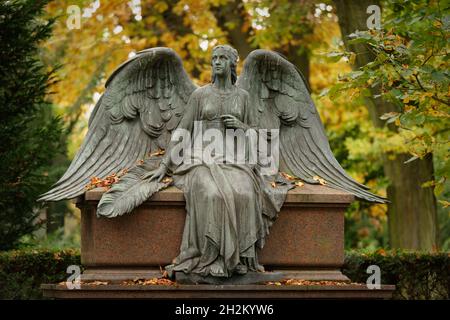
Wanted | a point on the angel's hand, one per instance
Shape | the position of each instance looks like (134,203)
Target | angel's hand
(233,122)
(148,175)
(157,174)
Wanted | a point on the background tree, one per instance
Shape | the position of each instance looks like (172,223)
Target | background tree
(29,132)
(399,69)
(111,31)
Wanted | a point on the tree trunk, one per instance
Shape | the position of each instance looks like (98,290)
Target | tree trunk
(235,12)
(300,58)
(230,18)
(412,213)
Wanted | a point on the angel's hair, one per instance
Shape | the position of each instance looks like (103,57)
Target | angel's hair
(232,54)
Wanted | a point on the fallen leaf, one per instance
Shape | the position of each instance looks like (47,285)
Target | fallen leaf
(107,182)
(95,283)
(301,282)
(150,282)
(160,152)
(299,184)
(288,176)
(167,180)
(320,180)
(444,203)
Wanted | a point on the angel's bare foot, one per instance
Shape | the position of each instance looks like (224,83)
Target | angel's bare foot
(216,270)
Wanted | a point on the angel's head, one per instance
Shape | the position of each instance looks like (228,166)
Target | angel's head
(223,61)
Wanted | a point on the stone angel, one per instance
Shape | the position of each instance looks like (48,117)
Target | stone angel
(230,205)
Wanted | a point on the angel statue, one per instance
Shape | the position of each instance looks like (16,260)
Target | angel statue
(230,205)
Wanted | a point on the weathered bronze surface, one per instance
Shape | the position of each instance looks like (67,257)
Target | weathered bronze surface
(230,206)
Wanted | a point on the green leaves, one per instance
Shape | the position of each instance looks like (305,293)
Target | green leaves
(409,72)
(334,56)
(410,68)
(416,275)
(360,37)
(390,116)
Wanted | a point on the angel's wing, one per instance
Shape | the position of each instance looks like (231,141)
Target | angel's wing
(280,99)
(143,102)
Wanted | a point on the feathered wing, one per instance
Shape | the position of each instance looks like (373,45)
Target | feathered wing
(143,102)
(280,99)
(131,190)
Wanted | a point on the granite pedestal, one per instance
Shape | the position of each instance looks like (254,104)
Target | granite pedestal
(306,241)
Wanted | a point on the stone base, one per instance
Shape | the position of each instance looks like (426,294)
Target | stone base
(112,275)
(217,292)
(249,278)
(118,275)
(306,241)
(308,234)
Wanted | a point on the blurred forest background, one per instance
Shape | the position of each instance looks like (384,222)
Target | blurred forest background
(383,95)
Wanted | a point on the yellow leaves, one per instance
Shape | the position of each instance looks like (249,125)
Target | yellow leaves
(438,186)
(445,204)
(297,181)
(437,23)
(354,92)
(409,108)
(352,58)
(378,211)
(149,282)
(95,182)
(87,283)
(136,282)
(299,184)
(437,113)
(425,95)
(288,176)
(107,182)
(320,180)
(167,180)
(157,153)
(96,283)
(160,6)
(373,142)
(301,282)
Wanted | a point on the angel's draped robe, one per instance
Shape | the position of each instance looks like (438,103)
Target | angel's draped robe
(230,206)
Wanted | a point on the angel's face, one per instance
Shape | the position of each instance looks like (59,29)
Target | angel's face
(220,62)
